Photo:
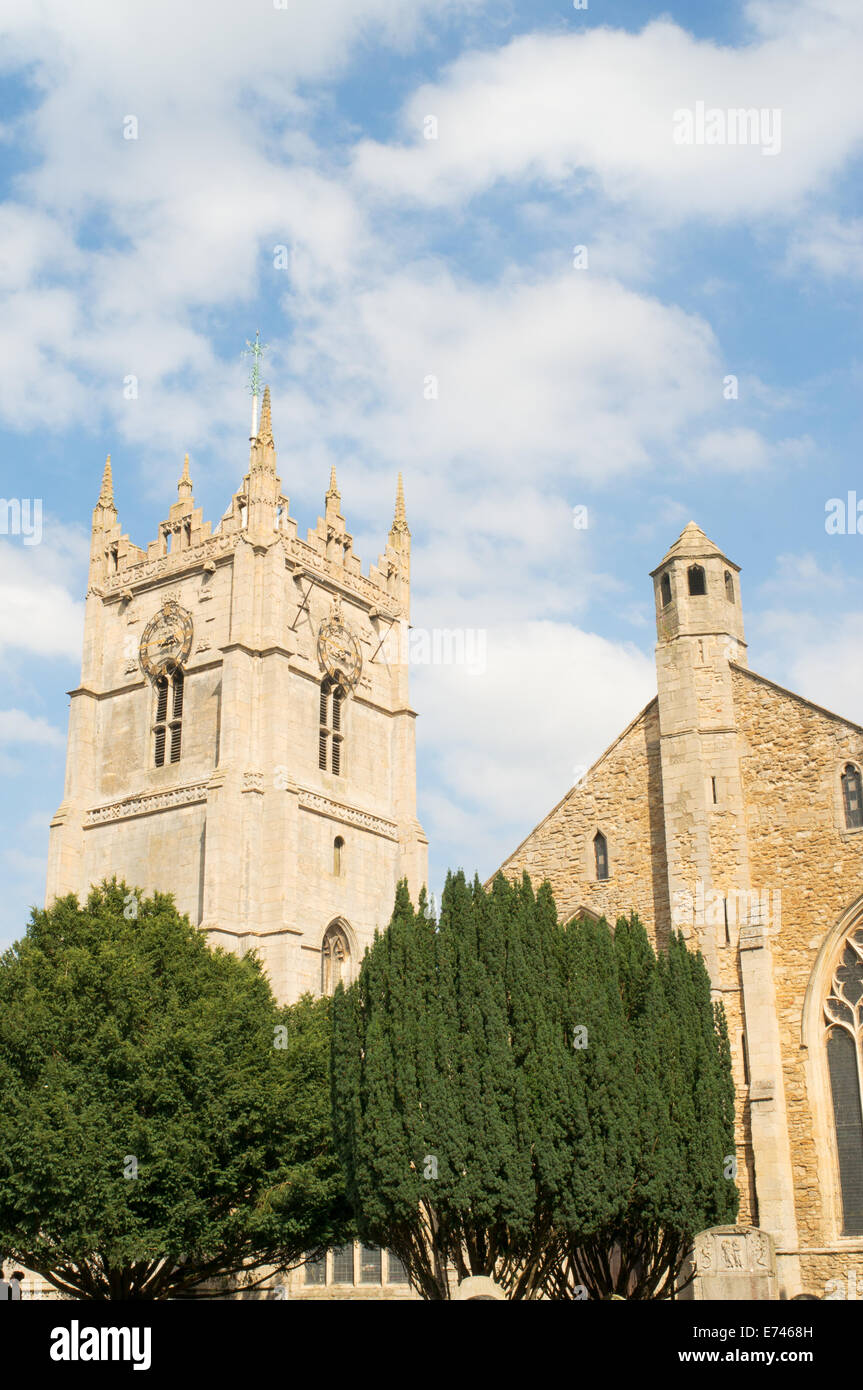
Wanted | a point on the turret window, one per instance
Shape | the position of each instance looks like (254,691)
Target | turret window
(600,850)
(729,586)
(697,581)
(665,590)
(852,796)
(330,735)
(168,732)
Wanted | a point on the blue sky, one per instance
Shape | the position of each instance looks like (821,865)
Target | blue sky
(408,257)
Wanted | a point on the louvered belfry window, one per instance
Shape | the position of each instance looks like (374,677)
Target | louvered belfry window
(330,733)
(168,731)
(843,1010)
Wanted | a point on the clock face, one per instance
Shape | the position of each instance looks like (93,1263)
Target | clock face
(339,652)
(166,640)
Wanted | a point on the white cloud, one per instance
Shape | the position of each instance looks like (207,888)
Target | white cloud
(508,743)
(554,108)
(38,613)
(831,246)
(16,727)
(573,375)
(808,648)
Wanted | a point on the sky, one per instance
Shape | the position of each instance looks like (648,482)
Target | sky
(511,250)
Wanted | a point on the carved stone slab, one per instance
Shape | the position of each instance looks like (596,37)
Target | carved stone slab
(731,1262)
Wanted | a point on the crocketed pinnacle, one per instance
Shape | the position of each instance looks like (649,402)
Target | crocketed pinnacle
(265,428)
(106,496)
(400,521)
(184,486)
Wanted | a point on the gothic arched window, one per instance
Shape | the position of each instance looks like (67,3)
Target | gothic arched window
(697,581)
(843,1010)
(729,586)
(330,735)
(852,796)
(600,850)
(665,590)
(335,959)
(168,733)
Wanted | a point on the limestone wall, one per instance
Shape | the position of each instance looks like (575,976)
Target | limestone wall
(792,755)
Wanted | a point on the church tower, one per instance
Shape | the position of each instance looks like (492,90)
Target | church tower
(242,734)
(700,642)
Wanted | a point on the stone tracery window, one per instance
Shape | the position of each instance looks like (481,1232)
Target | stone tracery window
(852,796)
(843,1010)
(335,959)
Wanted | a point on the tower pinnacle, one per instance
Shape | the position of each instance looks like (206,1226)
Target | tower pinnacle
(265,429)
(400,521)
(184,486)
(106,495)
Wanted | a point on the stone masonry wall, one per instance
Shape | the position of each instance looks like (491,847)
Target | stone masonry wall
(792,759)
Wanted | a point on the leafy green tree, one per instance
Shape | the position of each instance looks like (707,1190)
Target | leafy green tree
(163,1124)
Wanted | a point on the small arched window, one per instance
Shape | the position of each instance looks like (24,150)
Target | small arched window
(600,850)
(335,959)
(729,586)
(665,589)
(843,1011)
(330,734)
(338,847)
(852,796)
(168,732)
(697,581)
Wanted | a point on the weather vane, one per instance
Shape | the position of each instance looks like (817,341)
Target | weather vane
(256,351)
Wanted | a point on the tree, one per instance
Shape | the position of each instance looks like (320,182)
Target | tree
(429,1109)
(676,1103)
(458,1109)
(163,1123)
(551,1106)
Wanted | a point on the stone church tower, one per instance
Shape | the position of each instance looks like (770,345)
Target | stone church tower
(241,736)
(732,809)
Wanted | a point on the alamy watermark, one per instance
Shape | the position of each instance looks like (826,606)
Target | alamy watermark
(21,516)
(715,125)
(733,907)
(844,516)
(422,646)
